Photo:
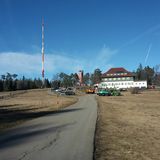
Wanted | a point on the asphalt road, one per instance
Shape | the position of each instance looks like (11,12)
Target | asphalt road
(65,135)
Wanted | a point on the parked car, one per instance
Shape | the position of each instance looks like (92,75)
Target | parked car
(60,90)
(104,92)
(70,91)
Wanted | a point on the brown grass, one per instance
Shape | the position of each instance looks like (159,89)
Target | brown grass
(28,105)
(128,127)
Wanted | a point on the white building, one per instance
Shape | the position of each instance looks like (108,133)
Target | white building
(121,79)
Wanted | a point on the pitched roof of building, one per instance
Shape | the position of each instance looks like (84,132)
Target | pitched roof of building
(117,72)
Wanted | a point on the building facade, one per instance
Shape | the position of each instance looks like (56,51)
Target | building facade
(120,78)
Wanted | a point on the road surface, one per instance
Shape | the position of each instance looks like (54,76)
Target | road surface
(65,135)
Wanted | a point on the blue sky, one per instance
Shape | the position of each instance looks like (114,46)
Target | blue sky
(79,34)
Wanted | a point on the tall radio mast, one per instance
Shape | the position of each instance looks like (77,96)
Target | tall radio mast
(43,81)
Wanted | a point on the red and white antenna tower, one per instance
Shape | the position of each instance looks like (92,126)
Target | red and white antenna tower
(43,81)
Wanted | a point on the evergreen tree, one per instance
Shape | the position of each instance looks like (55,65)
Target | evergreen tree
(55,84)
(1,85)
(140,73)
(8,82)
(47,83)
(19,85)
(96,76)
(86,78)
(149,72)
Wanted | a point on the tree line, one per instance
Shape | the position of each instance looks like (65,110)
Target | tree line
(70,80)
(10,82)
(152,75)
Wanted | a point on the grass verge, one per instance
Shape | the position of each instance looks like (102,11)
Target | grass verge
(32,104)
(128,127)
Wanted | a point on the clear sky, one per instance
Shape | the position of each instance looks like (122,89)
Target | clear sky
(79,34)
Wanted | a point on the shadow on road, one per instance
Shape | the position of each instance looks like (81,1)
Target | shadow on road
(7,115)
(22,135)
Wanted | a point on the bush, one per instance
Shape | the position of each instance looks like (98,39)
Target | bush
(134,90)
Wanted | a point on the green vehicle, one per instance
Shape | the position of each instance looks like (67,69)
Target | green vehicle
(115,92)
(104,92)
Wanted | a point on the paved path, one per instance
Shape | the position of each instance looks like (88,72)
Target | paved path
(65,135)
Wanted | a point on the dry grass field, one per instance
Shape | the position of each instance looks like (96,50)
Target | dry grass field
(128,127)
(21,106)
